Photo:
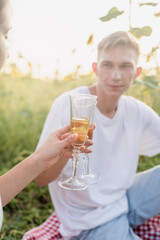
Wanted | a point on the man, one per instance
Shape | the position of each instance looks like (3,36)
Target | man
(125,128)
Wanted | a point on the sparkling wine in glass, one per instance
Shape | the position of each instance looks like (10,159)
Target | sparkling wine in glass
(81,109)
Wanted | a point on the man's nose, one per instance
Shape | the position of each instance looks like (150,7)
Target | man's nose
(116,74)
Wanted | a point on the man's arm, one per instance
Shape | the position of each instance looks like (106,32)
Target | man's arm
(51,174)
(150,139)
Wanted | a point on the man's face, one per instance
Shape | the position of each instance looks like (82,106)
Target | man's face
(5,25)
(116,69)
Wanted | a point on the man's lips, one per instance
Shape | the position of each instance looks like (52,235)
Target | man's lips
(115,86)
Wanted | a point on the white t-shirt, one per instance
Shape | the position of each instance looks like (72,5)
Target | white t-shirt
(1,214)
(118,142)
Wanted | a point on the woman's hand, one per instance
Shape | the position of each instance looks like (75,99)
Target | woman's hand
(58,145)
(55,152)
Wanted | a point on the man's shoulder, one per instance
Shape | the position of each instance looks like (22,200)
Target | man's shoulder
(132,103)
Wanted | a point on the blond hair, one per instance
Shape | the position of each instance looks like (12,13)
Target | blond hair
(119,38)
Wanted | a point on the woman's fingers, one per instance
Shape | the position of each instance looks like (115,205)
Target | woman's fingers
(63,131)
(65,135)
(69,140)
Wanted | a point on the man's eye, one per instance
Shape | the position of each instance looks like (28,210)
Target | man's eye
(107,65)
(126,66)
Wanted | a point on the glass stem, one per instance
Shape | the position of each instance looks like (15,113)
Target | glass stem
(75,162)
(73,167)
(87,163)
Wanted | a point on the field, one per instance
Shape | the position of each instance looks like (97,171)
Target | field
(24,104)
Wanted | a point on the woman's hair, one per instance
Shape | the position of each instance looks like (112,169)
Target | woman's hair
(119,38)
(2,3)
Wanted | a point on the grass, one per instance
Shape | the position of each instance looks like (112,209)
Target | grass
(24,104)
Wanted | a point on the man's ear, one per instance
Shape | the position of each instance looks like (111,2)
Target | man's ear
(94,67)
(138,72)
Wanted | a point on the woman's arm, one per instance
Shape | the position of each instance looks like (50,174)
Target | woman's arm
(53,149)
(12,182)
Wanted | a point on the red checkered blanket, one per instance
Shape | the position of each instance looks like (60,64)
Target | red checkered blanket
(49,230)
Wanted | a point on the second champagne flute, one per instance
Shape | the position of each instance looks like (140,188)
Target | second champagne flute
(89,177)
(81,108)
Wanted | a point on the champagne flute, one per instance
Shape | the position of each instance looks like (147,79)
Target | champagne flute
(88,177)
(81,108)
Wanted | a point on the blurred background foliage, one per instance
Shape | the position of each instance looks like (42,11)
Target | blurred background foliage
(24,105)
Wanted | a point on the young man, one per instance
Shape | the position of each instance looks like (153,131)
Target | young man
(125,128)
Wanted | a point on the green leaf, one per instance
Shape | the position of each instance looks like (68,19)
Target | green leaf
(148,4)
(148,81)
(139,32)
(113,13)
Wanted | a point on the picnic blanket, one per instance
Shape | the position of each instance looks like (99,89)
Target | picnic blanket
(49,230)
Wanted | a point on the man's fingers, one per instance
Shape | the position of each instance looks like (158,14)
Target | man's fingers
(88,142)
(84,149)
(92,126)
(68,154)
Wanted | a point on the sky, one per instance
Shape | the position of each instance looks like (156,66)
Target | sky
(47,32)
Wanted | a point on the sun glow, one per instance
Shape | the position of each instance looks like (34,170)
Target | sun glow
(51,35)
